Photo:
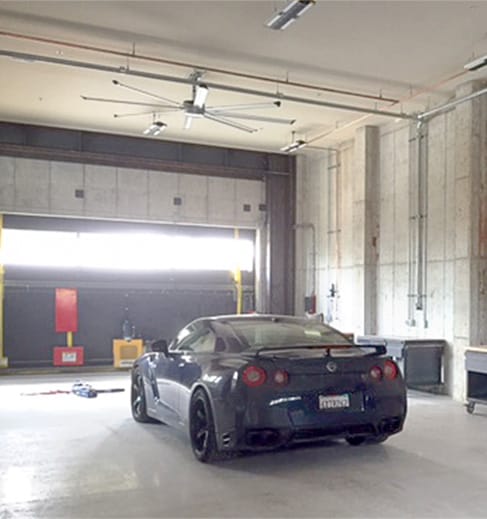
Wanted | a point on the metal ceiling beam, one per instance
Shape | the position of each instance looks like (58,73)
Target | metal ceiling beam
(33,58)
(142,57)
(85,147)
(440,109)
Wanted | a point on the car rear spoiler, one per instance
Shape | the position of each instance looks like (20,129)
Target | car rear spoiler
(379,349)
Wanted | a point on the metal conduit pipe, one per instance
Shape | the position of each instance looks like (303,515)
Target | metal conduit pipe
(363,118)
(424,211)
(412,242)
(418,231)
(333,230)
(311,226)
(419,217)
(436,111)
(420,235)
(338,227)
(164,61)
(188,81)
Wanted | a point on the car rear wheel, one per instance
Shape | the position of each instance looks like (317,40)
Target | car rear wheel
(379,438)
(356,440)
(359,440)
(137,399)
(202,428)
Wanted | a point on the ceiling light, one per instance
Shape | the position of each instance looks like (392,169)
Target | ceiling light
(289,14)
(294,146)
(155,128)
(476,63)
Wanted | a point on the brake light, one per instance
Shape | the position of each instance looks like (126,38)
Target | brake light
(375,373)
(281,377)
(254,376)
(390,370)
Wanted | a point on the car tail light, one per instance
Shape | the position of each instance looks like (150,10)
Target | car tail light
(375,373)
(390,370)
(254,376)
(281,377)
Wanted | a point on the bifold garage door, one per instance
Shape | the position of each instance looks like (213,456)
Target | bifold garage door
(155,277)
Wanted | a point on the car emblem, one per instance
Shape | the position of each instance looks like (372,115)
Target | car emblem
(331,366)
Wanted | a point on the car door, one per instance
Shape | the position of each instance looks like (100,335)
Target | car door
(194,356)
(166,374)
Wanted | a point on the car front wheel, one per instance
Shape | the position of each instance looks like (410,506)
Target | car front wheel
(202,428)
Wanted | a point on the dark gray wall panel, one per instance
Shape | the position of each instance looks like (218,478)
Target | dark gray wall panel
(280,193)
(29,326)
(29,319)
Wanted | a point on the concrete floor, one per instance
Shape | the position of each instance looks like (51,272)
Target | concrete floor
(66,456)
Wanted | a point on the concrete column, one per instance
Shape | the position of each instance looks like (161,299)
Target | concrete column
(366,228)
(470,297)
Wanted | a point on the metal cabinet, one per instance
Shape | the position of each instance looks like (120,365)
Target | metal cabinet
(420,360)
(476,366)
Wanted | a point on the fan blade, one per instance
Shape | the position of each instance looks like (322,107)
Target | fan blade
(144,92)
(187,122)
(238,126)
(255,106)
(276,120)
(119,116)
(124,102)
(201,93)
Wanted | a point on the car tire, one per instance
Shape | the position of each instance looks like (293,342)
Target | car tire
(355,440)
(137,399)
(379,438)
(202,428)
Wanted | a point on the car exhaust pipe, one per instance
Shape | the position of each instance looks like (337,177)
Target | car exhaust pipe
(390,426)
(263,438)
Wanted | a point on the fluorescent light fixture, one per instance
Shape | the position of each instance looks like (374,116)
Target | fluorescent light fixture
(476,63)
(155,128)
(200,95)
(289,14)
(294,146)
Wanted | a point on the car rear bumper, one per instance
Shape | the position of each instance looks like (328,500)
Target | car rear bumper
(261,426)
(269,438)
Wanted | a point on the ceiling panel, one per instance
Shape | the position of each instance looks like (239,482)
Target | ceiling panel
(413,52)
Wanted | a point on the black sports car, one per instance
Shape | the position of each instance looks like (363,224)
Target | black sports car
(258,382)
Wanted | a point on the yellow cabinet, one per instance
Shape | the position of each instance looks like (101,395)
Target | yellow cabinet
(125,352)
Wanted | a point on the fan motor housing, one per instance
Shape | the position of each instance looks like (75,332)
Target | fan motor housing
(192,110)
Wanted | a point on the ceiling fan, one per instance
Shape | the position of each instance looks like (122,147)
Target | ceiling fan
(195,107)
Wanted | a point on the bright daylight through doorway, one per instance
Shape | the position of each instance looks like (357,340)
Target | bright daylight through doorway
(124,251)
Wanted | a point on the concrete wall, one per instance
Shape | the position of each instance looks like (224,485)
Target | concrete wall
(373,212)
(325,200)
(43,187)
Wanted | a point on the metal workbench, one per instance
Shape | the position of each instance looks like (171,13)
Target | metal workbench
(420,360)
(476,366)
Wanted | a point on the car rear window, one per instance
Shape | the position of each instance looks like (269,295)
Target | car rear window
(256,334)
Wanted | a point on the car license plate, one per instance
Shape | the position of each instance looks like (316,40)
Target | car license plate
(334,401)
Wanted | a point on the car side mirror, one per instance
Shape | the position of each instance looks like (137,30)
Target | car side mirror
(159,346)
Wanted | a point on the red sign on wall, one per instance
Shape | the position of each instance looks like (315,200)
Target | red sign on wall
(66,310)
